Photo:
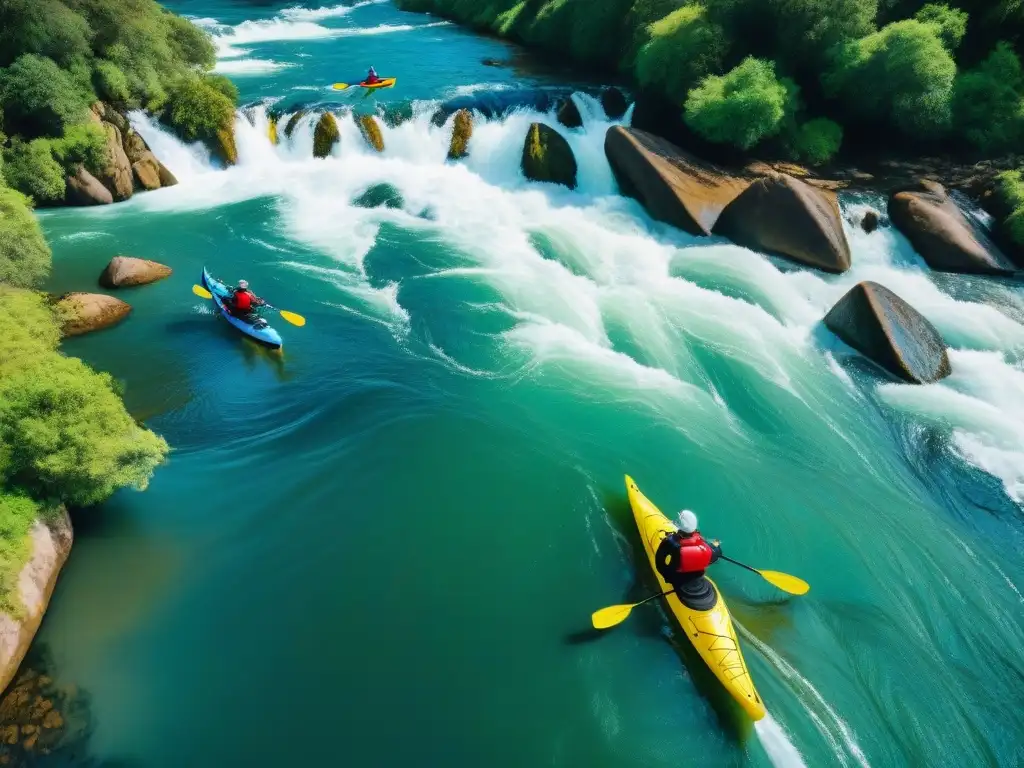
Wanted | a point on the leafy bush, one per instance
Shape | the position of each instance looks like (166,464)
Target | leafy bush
(951,23)
(86,144)
(988,109)
(32,170)
(111,83)
(197,109)
(1010,198)
(741,107)
(190,43)
(17,513)
(817,141)
(44,27)
(901,76)
(38,97)
(682,48)
(27,329)
(24,254)
(224,85)
(65,435)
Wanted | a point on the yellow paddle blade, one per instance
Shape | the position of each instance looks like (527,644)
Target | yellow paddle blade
(785,582)
(340,86)
(198,290)
(292,318)
(612,615)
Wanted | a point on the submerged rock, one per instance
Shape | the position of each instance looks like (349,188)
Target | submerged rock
(614,102)
(786,216)
(380,196)
(569,114)
(117,175)
(672,185)
(870,221)
(883,327)
(462,131)
(941,234)
(370,129)
(85,189)
(50,544)
(326,135)
(289,127)
(126,271)
(396,114)
(547,156)
(87,312)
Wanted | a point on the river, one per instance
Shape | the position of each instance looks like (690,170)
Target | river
(384,547)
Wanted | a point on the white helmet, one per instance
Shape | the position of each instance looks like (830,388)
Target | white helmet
(687,521)
(243,284)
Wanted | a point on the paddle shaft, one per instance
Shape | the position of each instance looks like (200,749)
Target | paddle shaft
(741,565)
(654,597)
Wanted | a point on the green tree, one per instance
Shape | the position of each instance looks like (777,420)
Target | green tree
(681,48)
(817,141)
(741,107)
(111,83)
(988,109)
(65,435)
(901,76)
(39,98)
(85,144)
(951,22)
(31,169)
(45,27)
(1010,198)
(197,109)
(24,254)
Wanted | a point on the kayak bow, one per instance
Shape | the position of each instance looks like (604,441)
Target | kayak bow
(266,335)
(711,632)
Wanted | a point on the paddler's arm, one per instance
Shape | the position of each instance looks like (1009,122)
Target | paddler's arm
(716,549)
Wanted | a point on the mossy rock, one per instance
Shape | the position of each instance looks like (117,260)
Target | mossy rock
(326,135)
(289,127)
(569,114)
(395,115)
(224,144)
(462,130)
(370,128)
(272,130)
(380,196)
(547,156)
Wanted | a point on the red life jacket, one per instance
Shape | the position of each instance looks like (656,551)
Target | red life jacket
(694,554)
(243,301)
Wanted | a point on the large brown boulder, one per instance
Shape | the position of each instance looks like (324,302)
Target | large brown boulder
(372,134)
(673,186)
(147,172)
(85,189)
(883,327)
(126,271)
(167,179)
(462,130)
(326,135)
(86,312)
(117,174)
(941,234)
(569,114)
(785,216)
(547,156)
(135,146)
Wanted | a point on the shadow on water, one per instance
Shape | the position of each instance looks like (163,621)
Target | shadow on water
(46,723)
(250,352)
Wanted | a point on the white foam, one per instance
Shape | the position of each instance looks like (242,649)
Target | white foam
(248,66)
(781,751)
(327,12)
(386,29)
(185,161)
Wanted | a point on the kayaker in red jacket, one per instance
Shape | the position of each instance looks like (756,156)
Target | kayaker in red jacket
(371,77)
(242,302)
(681,559)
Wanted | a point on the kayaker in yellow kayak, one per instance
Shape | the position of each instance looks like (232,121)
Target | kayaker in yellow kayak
(681,559)
(371,77)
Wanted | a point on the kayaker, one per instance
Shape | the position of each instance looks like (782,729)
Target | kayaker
(682,557)
(371,77)
(242,302)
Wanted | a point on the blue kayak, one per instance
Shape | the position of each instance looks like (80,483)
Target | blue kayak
(258,331)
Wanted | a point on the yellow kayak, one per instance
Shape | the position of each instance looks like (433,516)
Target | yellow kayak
(711,631)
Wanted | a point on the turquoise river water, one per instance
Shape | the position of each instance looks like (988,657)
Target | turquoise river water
(383,547)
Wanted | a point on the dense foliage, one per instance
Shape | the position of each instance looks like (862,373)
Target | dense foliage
(926,75)
(1010,194)
(58,57)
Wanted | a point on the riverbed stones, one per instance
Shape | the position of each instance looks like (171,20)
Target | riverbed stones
(325,135)
(674,186)
(547,156)
(569,114)
(370,129)
(462,131)
(783,215)
(941,234)
(87,312)
(126,271)
(85,189)
(614,102)
(887,330)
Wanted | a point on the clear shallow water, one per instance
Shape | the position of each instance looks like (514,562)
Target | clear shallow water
(385,546)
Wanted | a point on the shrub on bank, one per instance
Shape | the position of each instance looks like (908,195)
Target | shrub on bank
(741,107)
(987,102)
(681,49)
(31,168)
(1010,193)
(24,253)
(816,141)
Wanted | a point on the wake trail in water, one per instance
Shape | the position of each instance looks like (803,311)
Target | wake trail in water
(781,751)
